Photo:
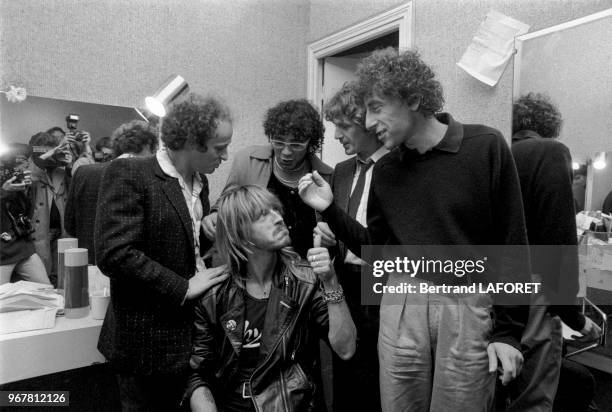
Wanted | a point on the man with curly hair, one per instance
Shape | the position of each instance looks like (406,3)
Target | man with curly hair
(545,172)
(149,242)
(135,138)
(295,133)
(445,183)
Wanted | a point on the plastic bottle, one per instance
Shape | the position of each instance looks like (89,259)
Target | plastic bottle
(62,245)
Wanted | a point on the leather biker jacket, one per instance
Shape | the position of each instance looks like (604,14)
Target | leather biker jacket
(296,317)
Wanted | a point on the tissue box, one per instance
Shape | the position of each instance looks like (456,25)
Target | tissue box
(24,320)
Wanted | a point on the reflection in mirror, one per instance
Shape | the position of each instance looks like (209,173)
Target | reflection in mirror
(571,64)
(20,121)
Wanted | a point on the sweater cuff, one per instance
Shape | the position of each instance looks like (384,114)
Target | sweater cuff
(509,340)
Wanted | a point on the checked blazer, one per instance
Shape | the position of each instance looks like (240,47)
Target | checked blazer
(144,243)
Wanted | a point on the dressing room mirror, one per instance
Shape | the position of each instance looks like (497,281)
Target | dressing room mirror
(571,63)
(20,121)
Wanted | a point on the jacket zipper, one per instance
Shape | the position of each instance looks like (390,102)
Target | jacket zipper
(269,354)
(283,394)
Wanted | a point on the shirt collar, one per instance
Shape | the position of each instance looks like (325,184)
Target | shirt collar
(168,168)
(451,141)
(523,135)
(376,156)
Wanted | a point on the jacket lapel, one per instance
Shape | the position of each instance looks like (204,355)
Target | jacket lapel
(173,192)
(279,314)
(232,322)
(345,174)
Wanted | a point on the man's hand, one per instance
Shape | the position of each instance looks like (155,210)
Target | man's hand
(202,400)
(328,239)
(511,360)
(315,191)
(82,145)
(590,332)
(209,225)
(204,280)
(10,186)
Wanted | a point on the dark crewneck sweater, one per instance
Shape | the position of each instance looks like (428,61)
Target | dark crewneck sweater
(465,191)
(544,168)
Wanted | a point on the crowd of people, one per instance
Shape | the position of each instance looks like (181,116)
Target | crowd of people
(222,306)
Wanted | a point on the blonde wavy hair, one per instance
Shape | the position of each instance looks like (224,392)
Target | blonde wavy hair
(239,207)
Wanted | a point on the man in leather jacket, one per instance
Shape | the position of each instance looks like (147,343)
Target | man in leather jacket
(254,333)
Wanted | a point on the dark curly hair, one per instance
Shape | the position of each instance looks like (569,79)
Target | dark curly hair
(535,111)
(346,103)
(132,137)
(194,121)
(403,76)
(297,118)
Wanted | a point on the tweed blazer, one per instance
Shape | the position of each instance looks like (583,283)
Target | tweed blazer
(80,214)
(144,243)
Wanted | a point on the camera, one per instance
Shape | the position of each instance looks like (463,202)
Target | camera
(79,136)
(7,173)
(22,225)
(19,175)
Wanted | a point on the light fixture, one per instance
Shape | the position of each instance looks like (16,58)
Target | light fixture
(169,91)
(575,165)
(3,148)
(599,161)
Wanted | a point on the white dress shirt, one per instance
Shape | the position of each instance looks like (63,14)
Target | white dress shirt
(192,199)
(362,210)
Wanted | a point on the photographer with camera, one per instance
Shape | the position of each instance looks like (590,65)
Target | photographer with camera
(50,181)
(80,144)
(17,254)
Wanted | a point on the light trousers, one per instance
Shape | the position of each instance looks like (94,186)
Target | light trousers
(433,352)
(31,269)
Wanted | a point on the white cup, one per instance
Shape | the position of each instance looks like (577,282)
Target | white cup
(99,301)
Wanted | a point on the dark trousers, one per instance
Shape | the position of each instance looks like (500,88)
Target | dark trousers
(355,382)
(151,393)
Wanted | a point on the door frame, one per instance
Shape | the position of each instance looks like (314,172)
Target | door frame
(399,18)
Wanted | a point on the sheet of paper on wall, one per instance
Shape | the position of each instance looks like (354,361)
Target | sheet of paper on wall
(492,47)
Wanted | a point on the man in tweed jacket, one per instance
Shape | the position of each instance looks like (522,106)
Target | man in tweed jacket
(149,242)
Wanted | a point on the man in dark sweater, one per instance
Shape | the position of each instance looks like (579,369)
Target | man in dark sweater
(444,183)
(544,168)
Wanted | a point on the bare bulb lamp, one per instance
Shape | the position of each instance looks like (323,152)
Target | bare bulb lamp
(599,161)
(166,94)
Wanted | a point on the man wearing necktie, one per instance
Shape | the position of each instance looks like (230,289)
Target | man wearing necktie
(351,187)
